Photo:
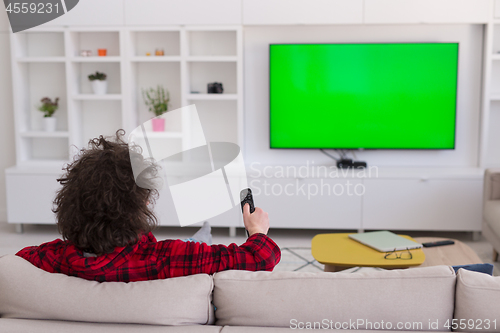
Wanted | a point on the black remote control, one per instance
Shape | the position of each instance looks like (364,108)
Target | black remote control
(246,197)
(440,243)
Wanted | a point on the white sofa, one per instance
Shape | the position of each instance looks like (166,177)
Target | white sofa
(32,300)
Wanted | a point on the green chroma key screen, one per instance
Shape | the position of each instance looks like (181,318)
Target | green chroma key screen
(372,96)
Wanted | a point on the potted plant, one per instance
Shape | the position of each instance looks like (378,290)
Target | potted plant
(157,100)
(48,108)
(99,83)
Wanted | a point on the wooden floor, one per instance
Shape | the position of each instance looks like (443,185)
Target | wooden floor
(456,254)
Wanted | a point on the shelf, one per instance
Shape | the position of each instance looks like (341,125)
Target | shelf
(39,80)
(153,58)
(92,97)
(155,29)
(84,85)
(33,44)
(206,43)
(41,134)
(495,97)
(212,58)
(200,73)
(41,59)
(98,118)
(143,42)
(212,97)
(164,135)
(156,59)
(96,59)
(495,56)
(145,75)
(91,40)
(45,147)
(46,164)
(35,170)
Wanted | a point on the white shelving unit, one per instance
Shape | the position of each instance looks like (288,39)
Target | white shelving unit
(91,97)
(490,135)
(193,57)
(37,72)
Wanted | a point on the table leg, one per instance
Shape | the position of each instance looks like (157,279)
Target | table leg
(333,268)
(19,228)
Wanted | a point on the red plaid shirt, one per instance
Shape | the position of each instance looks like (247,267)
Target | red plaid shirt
(150,259)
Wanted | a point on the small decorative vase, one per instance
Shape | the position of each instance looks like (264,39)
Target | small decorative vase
(99,87)
(158,124)
(49,124)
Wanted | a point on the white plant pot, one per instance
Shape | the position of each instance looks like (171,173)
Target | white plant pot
(99,87)
(49,124)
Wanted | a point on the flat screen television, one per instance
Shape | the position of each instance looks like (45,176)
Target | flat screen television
(363,96)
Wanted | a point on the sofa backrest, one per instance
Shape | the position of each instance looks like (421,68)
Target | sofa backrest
(491,184)
(477,307)
(31,293)
(411,299)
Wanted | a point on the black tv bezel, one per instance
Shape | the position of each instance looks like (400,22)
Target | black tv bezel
(362,148)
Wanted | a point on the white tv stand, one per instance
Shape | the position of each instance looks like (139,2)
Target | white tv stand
(394,199)
(444,199)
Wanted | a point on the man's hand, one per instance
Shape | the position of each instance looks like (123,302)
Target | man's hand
(257,222)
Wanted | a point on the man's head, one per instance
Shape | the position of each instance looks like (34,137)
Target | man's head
(100,206)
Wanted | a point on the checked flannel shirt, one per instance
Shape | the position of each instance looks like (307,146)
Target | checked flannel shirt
(149,259)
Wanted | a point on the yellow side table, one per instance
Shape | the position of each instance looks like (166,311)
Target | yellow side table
(338,252)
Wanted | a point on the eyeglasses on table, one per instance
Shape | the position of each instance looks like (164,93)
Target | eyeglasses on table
(403,255)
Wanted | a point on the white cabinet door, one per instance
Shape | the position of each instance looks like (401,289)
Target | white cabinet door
(427,11)
(30,197)
(309,203)
(269,12)
(92,13)
(167,12)
(422,204)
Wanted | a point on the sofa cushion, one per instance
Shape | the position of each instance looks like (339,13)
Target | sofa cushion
(31,293)
(250,329)
(362,300)
(485,268)
(55,326)
(477,302)
(495,186)
(492,214)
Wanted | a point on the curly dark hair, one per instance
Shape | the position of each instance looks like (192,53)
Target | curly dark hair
(100,206)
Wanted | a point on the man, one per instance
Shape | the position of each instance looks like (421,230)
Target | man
(106,225)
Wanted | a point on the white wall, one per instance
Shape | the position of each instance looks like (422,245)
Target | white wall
(256,74)
(256,40)
(7,147)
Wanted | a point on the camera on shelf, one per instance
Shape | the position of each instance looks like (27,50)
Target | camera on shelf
(215,88)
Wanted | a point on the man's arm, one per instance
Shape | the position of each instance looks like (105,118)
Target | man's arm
(30,253)
(259,252)
(42,256)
